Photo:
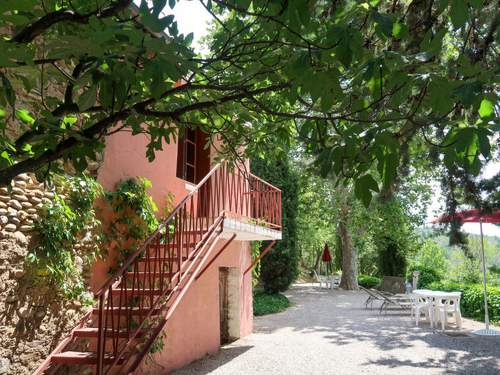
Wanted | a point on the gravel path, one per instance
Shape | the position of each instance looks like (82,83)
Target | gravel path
(329,332)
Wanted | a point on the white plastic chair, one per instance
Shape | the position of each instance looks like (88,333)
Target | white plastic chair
(335,281)
(321,279)
(422,305)
(450,305)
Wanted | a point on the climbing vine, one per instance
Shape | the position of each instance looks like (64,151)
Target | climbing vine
(133,214)
(68,219)
(255,250)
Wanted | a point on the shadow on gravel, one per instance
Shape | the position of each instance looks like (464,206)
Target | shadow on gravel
(213,361)
(343,320)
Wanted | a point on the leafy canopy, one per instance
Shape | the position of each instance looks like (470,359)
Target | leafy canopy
(355,80)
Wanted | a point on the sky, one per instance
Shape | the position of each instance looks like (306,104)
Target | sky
(192,17)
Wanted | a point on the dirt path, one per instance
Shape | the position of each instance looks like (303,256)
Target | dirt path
(330,332)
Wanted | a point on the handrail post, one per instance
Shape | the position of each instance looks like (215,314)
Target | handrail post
(101,338)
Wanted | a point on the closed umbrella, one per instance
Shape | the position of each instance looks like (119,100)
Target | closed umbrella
(326,258)
(476,216)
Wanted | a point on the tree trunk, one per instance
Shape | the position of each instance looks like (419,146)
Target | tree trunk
(349,280)
(316,263)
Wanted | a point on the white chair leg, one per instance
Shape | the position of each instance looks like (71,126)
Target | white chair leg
(443,319)
(417,316)
(458,318)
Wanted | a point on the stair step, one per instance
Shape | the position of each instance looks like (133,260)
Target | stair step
(93,332)
(79,358)
(161,259)
(138,292)
(172,245)
(144,274)
(135,311)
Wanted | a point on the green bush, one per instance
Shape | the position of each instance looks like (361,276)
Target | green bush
(61,224)
(368,281)
(427,276)
(472,301)
(265,303)
(280,267)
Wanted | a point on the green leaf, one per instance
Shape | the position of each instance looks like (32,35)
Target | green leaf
(486,109)
(9,93)
(363,188)
(189,39)
(440,95)
(484,142)
(458,13)
(468,92)
(2,113)
(158,6)
(87,99)
(106,92)
(396,29)
(24,116)
(5,155)
(384,22)
(69,120)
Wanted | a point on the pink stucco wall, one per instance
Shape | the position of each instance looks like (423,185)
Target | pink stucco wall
(194,329)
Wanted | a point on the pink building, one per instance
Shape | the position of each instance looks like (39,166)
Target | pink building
(188,289)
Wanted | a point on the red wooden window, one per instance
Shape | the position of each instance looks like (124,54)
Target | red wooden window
(186,156)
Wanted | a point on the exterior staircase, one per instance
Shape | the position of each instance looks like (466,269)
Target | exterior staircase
(134,305)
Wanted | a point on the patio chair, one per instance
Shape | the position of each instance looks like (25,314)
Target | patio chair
(422,305)
(450,306)
(402,301)
(335,281)
(372,296)
(322,279)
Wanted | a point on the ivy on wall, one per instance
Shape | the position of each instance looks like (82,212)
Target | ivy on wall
(69,222)
(67,219)
(133,215)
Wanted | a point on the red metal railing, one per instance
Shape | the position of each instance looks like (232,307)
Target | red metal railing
(137,300)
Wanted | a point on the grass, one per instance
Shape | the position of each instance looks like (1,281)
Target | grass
(264,303)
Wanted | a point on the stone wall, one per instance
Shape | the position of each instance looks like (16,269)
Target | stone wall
(33,315)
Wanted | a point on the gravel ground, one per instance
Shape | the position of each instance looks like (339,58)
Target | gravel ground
(330,332)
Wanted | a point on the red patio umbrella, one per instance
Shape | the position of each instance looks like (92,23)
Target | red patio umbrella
(476,216)
(326,257)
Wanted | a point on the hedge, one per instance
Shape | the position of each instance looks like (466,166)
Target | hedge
(265,303)
(368,281)
(472,301)
(426,278)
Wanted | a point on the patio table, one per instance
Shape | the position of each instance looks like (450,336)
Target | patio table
(436,297)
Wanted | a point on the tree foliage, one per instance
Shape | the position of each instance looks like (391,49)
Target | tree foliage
(279,268)
(357,80)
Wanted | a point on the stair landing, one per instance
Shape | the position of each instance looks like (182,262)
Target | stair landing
(248,231)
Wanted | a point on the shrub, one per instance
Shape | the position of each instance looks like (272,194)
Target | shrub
(62,223)
(368,281)
(280,267)
(427,276)
(391,258)
(133,218)
(472,302)
(266,303)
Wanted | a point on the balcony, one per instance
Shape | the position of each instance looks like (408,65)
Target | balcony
(251,207)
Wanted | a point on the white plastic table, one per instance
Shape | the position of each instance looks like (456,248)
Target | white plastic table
(437,296)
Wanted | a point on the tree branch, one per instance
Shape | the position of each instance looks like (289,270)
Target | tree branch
(30,32)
